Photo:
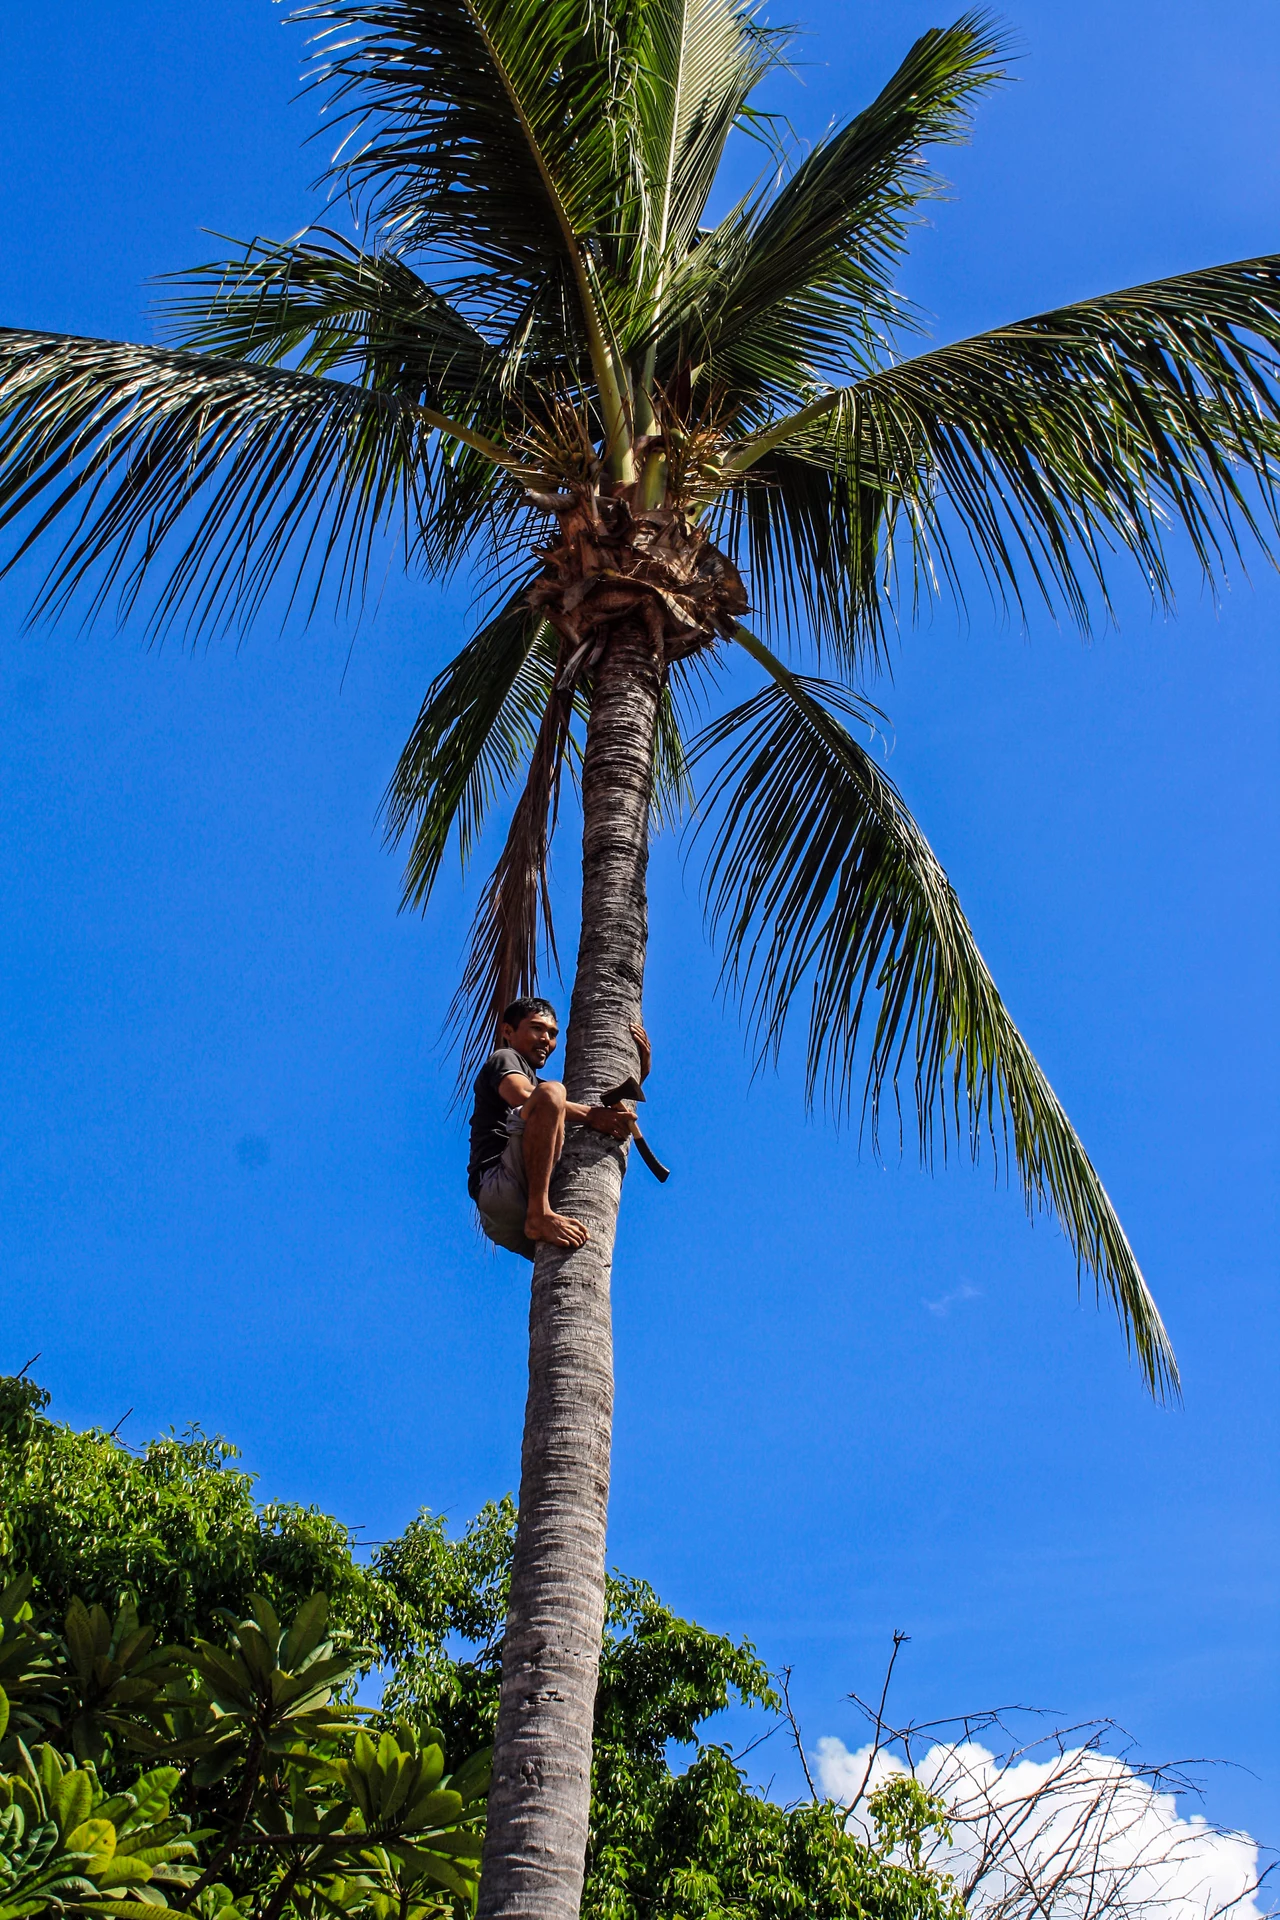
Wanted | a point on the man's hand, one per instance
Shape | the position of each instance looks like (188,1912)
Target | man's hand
(617,1122)
(645,1050)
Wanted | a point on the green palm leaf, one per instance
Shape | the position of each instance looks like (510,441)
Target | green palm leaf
(495,133)
(207,473)
(333,308)
(817,873)
(672,795)
(696,63)
(797,282)
(488,128)
(812,538)
(1040,448)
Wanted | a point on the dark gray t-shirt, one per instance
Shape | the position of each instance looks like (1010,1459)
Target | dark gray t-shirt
(489,1114)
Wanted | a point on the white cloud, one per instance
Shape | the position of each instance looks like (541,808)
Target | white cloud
(943,1306)
(1077,1834)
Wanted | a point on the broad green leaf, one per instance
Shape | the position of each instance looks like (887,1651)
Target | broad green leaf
(96,1837)
(152,1794)
(70,1800)
(473,1776)
(15,1597)
(439,1809)
(434,1866)
(258,1653)
(119,1870)
(138,1909)
(81,1638)
(266,1619)
(306,1632)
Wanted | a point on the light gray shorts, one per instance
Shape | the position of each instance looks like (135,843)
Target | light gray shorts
(503,1199)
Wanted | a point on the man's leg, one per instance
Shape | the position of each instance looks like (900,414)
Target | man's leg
(543,1144)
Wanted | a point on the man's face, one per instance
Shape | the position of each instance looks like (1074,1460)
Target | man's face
(535,1037)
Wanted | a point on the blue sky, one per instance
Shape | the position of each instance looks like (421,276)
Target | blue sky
(851,1397)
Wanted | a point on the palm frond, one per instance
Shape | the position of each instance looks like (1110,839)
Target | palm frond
(477,728)
(479,519)
(696,63)
(672,793)
(206,475)
(513,921)
(809,540)
(457,101)
(491,132)
(331,308)
(1041,448)
(796,284)
(818,873)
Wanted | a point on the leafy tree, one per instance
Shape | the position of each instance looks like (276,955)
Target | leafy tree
(661,1677)
(175,1526)
(708,1850)
(299,1810)
(268,1777)
(698,1842)
(545,358)
(65,1843)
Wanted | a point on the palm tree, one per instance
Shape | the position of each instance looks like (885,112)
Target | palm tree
(544,359)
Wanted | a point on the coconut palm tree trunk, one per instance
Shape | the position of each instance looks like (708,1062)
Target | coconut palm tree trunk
(539,1803)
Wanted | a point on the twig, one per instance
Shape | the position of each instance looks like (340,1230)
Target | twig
(795,1731)
(900,1640)
(759,1741)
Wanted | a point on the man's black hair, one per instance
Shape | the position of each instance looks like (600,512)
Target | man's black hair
(521,1009)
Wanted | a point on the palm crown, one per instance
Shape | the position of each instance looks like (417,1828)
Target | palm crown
(545,359)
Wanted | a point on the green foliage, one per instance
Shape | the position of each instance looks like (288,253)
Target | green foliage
(817,872)
(456,1591)
(30,1685)
(475,732)
(91,1847)
(176,1523)
(905,1814)
(36,1874)
(660,1676)
(264,1792)
(697,1844)
(701,1846)
(296,1806)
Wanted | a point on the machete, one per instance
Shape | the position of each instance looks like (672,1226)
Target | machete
(630,1089)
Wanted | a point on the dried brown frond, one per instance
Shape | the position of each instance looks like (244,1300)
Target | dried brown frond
(514,915)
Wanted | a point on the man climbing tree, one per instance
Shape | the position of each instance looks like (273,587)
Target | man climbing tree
(540,353)
(517,1131)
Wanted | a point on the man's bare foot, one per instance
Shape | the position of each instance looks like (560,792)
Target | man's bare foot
(558,1229)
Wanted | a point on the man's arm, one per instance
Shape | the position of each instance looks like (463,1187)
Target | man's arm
(515,1089)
